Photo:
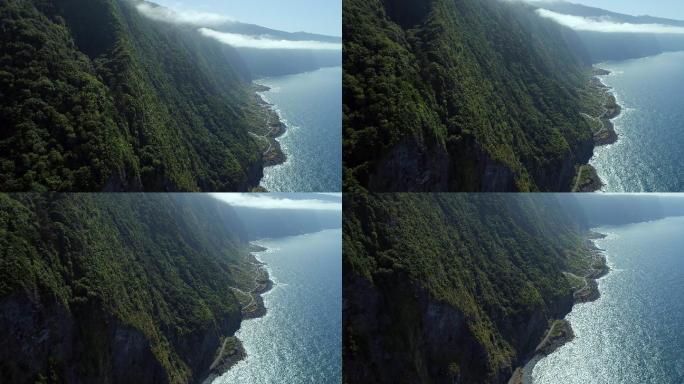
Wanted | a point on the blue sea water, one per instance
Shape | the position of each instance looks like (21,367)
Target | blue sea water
(310,104)
(648,155)
(635,332)
(299,340)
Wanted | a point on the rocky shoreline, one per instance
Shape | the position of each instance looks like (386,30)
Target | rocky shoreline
(587,179)
(232,350)
(560,331)
(275,128)
(265,126)
(611,109)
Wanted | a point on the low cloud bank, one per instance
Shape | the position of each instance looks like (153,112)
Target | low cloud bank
(204,20)
(200,19)
(266,42)
(606,25)
(269,201)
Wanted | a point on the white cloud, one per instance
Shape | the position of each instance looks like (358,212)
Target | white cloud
(200,19)
(606,25)
(204,19)
(270,201)
(334,194)
(266,42)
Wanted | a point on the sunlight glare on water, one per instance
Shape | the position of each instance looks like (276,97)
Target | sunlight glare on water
(299,341)
(633,333)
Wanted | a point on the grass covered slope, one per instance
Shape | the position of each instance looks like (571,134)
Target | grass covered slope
(461,95)
(443,288)
(95,97)
(117,288)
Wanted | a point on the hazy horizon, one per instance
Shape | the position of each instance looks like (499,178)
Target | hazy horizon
(312,16)
(669,9)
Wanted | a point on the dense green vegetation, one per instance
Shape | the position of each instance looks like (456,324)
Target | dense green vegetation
(443,288)
(117,288)
(460,95)
(95,97)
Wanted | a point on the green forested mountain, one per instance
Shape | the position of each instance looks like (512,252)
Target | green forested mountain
(461,288)
(117,288)
(460,95)
(93,96)
(453,288)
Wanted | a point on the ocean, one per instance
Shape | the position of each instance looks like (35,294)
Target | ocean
(299,340)
(648,155)
(634,333)
(310,104)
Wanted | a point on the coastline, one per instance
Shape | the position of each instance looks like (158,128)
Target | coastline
(560,330)
(587,179)
(611,108)
(272,153)
(232,351)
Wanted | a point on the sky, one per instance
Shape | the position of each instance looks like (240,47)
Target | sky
(295,201)
(314,16)
(671,9)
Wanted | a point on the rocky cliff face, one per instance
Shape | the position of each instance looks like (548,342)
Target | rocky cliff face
(413,337)
(393,318)
(84,344)
(117,288)
(87,344)
(412,167)
(444,288)
(559,175)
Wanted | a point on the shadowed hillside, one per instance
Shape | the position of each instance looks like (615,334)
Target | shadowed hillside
(450,95)
(94,96)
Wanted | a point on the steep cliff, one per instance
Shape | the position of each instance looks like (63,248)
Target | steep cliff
(443,288)
(454,95)
(117,288)
(94,96)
